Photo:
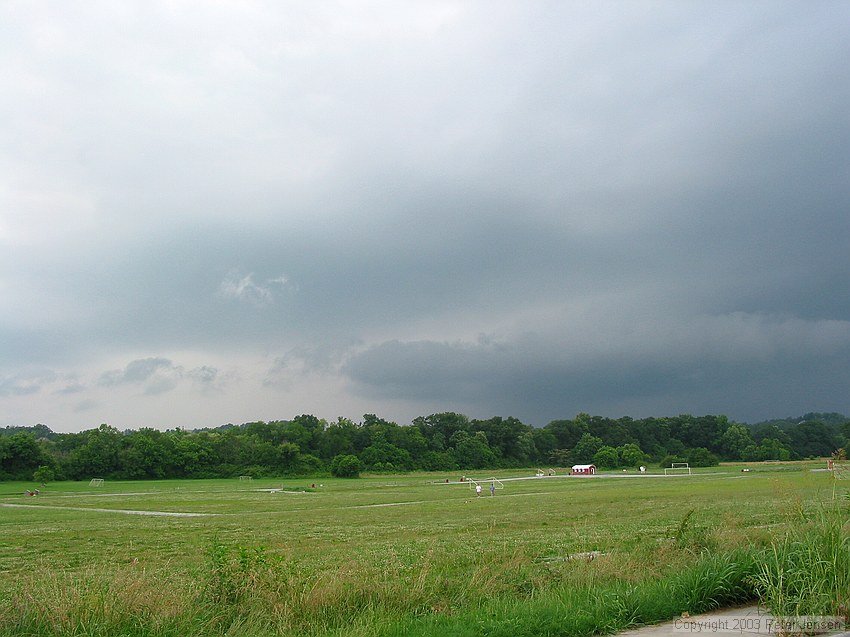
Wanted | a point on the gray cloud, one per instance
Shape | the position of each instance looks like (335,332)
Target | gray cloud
(244,288)
(137,371)
(678,366)
(26,382)
(85,406)
(154,375)
(642,205)
(73,388)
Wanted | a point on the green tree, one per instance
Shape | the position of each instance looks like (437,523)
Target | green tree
(566,432)
(20,455)
(346,466)
(439,428)
(670,459)
(472,451)
(812,439)
(193,455)
(383,456)
(43,475)
(560,457)
(734,441)
(701,457)
(606,458)
(586,448)
(699,431)
(768,449)
(147,454)
(439,461)
(545,444)
(631,455)
(505,436)
(288,457)
(97,456)
(338,439)
(653,436)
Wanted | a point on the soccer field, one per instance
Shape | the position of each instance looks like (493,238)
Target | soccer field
(327,555)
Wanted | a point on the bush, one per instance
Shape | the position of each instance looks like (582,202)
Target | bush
(702,457)
(669,460)
(44,474)
(346,466)
(606,458)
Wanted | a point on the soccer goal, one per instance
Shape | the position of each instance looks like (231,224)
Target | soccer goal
(678,468)
(494,482)
(96,482)
(245,478)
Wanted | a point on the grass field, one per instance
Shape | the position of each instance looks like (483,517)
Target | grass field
(393,555)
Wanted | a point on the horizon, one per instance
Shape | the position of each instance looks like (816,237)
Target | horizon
(806,417)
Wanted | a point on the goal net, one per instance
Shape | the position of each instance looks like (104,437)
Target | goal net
(678,468)
(96,482)
(485,483)
(245,478)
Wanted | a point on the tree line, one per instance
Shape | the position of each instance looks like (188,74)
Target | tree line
(447,441)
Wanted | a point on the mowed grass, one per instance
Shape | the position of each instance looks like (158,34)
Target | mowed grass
(391,554)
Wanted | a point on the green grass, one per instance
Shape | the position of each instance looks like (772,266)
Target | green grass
(400,555)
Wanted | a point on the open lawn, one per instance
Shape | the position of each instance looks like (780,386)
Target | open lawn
(397,554)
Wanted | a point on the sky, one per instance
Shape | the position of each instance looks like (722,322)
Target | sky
(231,211)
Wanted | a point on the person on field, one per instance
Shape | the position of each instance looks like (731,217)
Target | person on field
(492,488)
(478,490)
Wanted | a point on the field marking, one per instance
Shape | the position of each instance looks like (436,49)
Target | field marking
(582,477)
(102,495)
(383,504)
(174,514)
(356,506)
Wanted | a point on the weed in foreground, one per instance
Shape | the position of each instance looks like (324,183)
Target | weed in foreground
(807,571)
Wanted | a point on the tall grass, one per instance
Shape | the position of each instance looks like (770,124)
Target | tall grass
(93,603)
(807,571)
(244,592)
(600,608)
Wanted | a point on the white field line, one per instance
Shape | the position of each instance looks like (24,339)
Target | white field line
(119,494)
(385,504)
(357,506)
(397,504)
(103,495)
(173,514)
(595,476)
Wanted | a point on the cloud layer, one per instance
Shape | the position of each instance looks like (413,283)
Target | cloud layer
(226,213)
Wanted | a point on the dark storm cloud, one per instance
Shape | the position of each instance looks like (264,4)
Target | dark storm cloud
(642,206)
(696,364)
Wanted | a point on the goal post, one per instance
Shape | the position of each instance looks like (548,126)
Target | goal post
(493,482)
(246,478)
(96,482)
(678,468)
